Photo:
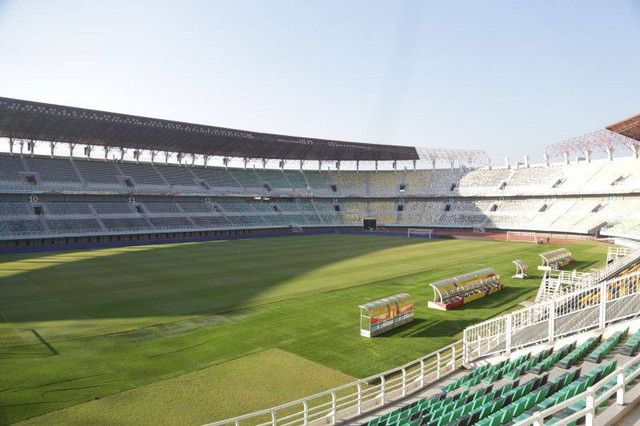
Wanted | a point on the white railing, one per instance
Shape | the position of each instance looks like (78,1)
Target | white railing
(556,282)
(589,397)
(361,396)
(617,251)
(614,266)
(581,310)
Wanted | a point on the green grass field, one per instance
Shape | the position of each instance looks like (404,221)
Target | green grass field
(187,333)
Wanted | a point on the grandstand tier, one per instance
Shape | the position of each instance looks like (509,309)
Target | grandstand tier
(141,190)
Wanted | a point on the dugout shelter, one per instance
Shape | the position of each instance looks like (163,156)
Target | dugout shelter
(385,314)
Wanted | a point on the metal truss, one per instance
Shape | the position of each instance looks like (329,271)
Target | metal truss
(462,156)
(604,140)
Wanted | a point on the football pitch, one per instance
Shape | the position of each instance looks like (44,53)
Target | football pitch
(197,332)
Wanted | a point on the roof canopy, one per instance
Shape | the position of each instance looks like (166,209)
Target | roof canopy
(557,254)
(401,298)
(629,127)
(56,123)
(460,280)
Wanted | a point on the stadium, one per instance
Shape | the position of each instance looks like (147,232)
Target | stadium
(287,213)
(142,284)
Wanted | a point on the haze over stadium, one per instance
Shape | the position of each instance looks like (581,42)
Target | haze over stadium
(287,213)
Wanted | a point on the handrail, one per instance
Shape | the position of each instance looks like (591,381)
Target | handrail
(366,394)
(579,310)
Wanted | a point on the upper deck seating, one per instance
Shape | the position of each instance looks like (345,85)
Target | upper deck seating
(10,168)
(417,180)
(540,176)
(296,178)
(98,172)
(177,175)
(275,178)
(350,180)
(247,178)
(56,170)
(215,177)
(442,180)
(318,180)
(142,174)
(484,178)
(385,181)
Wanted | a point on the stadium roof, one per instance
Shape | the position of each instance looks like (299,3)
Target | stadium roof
(629,127)
(57,123)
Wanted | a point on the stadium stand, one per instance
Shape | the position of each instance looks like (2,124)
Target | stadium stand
(74,225)
(141,174)
(247,178)
(384,182)
(350,181)
(52,170)
(99,172)
(210,221)
(68,209)
(318,180)
(11,169)
(576,210)
(126,223)
(177,176)
(491,178)
(296,179)
(10,207)
(195,207)
(215,177)
(540,176)
(275,178)
(161,208)
(112,208)
(505,370)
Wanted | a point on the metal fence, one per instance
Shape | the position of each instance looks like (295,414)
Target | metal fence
(589,308)
(361,396)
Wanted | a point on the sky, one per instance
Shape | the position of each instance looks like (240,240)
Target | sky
(508,77)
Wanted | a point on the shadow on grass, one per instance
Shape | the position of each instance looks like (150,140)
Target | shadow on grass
(206,287)
(421,328)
